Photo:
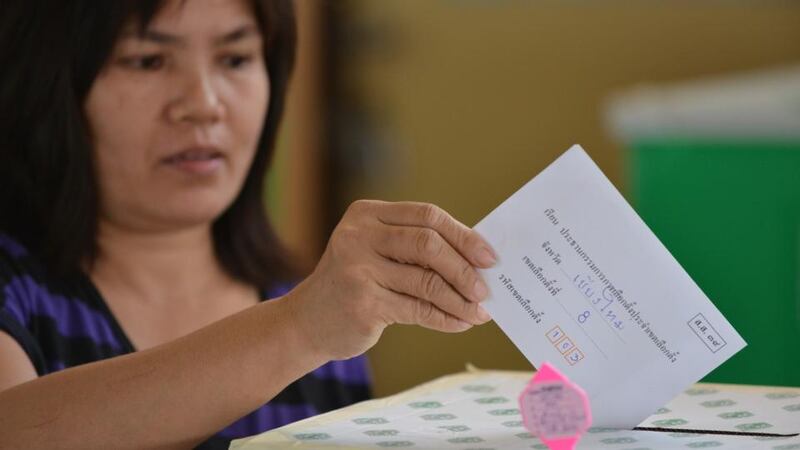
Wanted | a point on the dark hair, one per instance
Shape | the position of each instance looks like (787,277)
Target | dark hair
(50,54)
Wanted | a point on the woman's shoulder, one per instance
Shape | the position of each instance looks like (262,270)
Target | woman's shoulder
(59,321)
(28,290)
(277,289)
(16,262)
(11,248)
(19,282)
(23,281)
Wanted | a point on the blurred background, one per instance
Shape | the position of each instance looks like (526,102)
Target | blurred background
(691,108)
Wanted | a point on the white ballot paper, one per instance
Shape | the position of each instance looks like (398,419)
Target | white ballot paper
(582,282)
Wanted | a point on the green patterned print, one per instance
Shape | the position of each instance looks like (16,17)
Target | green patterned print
(483,388)
(618,440)
(670,422)
(735,415)
(718,403)
(438,416)
(512,424)
(455,428)
(465,440)
(754,426)
(370,421)
(782,395)
(682,435)
(504,412)
(382,432)
(491,400)
(312,436)
(701,391)
(394,444)
(704,444)
(426,405)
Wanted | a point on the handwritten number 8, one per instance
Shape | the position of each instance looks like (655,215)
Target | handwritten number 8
(583,317)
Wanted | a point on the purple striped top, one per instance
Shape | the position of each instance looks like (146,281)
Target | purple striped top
(65,323)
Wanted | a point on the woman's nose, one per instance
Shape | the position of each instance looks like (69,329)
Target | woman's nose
(198,101)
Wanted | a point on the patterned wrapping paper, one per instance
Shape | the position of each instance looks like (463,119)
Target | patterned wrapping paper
(477,410)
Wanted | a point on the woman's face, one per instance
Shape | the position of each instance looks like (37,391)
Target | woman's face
(176,115)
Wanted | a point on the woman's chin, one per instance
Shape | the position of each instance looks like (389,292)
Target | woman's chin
(170,213)
(195,217)
(190,215)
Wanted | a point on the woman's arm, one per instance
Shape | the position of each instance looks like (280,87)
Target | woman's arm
(171,396)
(385,263)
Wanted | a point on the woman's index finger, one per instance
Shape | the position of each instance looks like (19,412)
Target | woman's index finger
(462,238)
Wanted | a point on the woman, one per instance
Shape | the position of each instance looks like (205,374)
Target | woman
(134,250)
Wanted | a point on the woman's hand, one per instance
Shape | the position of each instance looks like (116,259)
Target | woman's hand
(386,263)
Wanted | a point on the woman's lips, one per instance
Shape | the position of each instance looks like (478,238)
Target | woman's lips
(196,161)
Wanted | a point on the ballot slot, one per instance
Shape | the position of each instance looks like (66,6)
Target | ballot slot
(717,432)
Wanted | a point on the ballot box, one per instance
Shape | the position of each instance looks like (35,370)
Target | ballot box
(714,169)
(479,410)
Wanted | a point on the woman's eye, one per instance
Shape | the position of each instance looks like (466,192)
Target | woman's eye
(146,62)
(236,61)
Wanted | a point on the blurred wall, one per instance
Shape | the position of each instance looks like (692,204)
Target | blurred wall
(296,178)
(459,102)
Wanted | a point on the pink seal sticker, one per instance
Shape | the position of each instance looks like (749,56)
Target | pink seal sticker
(555,409)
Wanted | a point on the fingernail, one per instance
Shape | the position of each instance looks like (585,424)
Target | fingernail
(485,257)
(483,315)
(480,290)
(463,326)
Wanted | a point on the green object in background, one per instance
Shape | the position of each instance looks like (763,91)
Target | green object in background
(729,211)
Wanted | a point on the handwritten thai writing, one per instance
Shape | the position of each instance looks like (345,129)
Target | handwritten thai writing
(608,292)
(600,303)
